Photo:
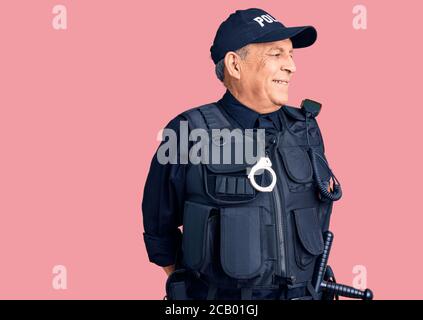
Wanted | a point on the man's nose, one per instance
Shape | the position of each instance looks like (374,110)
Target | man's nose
(290,66)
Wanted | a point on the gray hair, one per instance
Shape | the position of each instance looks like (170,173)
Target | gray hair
(220,66)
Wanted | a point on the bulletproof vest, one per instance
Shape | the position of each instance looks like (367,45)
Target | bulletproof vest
(235,236)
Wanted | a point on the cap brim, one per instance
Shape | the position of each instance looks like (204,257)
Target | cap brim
(301,37)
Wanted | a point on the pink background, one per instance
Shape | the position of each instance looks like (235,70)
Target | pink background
(81,108)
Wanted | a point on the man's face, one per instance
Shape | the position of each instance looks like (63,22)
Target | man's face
(267,71)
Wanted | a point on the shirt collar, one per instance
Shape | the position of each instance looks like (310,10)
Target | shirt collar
(243,115)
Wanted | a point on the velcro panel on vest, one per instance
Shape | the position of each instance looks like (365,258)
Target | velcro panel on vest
(297,164)
(241,247)
(194,234)
(309,242)
(309,231)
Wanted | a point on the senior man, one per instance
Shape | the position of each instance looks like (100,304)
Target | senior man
(239,241)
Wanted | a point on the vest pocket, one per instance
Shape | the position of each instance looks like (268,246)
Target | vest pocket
(308,242)
(229,183)
(223,243)
(197,221)
(298,168)
(240,242)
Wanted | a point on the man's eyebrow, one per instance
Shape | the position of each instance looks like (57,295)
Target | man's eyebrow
(281,49)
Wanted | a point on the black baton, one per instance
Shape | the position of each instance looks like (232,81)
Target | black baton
(332,287)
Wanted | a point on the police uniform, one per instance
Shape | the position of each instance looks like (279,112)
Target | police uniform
(239,242)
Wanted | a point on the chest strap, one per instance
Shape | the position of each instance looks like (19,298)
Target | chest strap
(209,116)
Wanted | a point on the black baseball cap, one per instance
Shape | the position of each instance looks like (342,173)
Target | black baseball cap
(256,26)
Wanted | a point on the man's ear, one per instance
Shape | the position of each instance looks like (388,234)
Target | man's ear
(233,66)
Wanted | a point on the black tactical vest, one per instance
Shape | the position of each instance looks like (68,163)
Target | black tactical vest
(237,237)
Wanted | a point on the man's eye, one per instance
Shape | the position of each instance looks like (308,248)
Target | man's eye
(276,55)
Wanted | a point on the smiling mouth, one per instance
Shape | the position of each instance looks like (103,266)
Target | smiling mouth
(284,82)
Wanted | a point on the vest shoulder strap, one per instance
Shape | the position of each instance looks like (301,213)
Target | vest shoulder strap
(208,116)
(294,113)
